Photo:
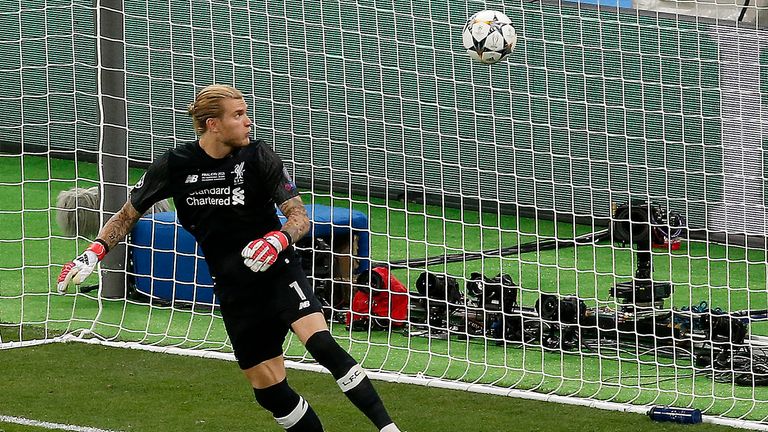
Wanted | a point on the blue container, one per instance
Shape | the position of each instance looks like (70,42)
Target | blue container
(677,415)
(340,220)
(168,264)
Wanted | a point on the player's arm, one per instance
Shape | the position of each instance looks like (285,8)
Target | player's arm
(119,225)
(297,223)
(261,253)
(153,186)
(114,231)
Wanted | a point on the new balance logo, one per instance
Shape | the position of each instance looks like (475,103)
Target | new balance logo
(192,178)
(238,196)
(304,304)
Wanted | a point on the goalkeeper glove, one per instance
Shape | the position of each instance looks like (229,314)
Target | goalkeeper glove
(261,253)
(81,267)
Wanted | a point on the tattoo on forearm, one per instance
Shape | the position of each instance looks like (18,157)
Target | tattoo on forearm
(297,223)
(119,225)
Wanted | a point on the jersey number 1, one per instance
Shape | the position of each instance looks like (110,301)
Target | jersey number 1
(304,302)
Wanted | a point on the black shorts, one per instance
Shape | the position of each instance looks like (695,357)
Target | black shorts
(259,309)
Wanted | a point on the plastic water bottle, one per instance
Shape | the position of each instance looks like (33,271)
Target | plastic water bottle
(677,415)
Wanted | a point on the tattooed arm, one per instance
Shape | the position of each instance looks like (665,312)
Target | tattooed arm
(116,228)
(261,253)
(119,225)
(297,224)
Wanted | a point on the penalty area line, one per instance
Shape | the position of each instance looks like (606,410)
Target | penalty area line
(49,425)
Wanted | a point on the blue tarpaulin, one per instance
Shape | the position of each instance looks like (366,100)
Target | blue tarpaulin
(168,264)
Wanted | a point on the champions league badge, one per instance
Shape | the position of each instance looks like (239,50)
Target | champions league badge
(289,186)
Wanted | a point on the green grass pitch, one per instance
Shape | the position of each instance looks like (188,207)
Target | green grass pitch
(128,390)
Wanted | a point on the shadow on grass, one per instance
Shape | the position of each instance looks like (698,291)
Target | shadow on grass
(14,332)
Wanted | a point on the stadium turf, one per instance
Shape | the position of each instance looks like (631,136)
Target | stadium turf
(128,390)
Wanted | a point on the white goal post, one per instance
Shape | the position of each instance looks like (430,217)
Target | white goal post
(425,162)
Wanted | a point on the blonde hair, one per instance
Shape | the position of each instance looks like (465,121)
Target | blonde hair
(207,104)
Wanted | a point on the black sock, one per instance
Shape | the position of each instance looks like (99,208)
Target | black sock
(350,377)
(365,398)
(290,410)
(309,422)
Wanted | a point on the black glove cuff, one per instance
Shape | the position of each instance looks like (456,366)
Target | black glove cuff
(103,243)
(288,236)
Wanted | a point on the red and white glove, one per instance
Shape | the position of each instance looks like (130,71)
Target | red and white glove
(261,253)
(81,267)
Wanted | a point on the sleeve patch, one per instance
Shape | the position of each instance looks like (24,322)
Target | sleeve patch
(289,185)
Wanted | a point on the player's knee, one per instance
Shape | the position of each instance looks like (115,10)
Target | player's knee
(333,357)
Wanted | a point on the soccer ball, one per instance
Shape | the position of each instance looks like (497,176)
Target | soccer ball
(488,36)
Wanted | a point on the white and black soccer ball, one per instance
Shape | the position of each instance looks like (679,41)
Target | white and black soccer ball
(489,36)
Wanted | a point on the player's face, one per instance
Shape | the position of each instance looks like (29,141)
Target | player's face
(234,125)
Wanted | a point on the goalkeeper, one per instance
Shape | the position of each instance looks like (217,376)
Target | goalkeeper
(225,186)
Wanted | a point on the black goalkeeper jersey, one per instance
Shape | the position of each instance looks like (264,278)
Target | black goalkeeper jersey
(225,203)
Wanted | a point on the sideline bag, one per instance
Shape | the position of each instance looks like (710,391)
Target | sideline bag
(381,301)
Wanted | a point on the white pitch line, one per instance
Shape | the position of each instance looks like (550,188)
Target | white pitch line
(49,425)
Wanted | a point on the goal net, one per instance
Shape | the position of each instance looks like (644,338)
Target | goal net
(583,221)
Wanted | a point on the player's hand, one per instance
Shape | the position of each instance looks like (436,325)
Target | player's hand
(77,270)
(261,253)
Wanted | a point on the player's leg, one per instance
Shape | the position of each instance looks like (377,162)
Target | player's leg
(300,307)
(349,375)
(257,343)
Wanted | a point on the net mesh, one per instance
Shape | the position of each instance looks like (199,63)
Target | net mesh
(380,115)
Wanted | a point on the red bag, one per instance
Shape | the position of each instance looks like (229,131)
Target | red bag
(384,300)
